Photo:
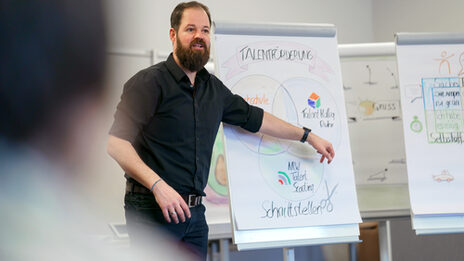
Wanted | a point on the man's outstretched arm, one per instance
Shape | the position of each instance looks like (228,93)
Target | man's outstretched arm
(278,128)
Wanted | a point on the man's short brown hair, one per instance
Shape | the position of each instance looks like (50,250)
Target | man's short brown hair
(177,13)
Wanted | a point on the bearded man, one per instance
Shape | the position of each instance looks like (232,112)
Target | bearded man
(164,129)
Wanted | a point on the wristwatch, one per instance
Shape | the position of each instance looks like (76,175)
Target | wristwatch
(305,135)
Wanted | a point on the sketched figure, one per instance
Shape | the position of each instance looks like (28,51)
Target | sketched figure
(394,79)
(461,62)
(397,161)
(370,82)
(381,175)
(444,61)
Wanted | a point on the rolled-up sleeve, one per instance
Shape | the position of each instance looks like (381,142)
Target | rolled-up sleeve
(137,105)
(238,112)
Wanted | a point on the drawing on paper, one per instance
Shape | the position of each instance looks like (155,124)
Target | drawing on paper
(444,63)
(379,103)
(314,101)
(416,125)
(366,107)
(373,100)
(444,110)
(369,81)
(433,147)
(397,161)
(290,168)
(216,190)
(395,79)
(283,178)
(444,176)
(380,176)
(376,110)
(461,63)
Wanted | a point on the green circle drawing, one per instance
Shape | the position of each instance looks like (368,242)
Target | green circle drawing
(416,125)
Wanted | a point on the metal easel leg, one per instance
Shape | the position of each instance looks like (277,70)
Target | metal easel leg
(224,249)
(385,241)
(352,247)
(289,254)
(214,251)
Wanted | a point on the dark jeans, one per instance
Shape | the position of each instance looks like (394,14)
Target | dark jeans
(145,219)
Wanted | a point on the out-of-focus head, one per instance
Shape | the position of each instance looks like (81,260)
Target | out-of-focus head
(51,54)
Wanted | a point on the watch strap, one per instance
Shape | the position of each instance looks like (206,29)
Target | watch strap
(305,135)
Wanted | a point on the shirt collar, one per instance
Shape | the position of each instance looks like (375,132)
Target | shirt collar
(178,73)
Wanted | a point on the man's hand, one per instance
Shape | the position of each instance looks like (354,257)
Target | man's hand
(171,203)
(278,128)
(322,146)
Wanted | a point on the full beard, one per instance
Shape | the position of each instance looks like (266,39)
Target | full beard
(192,60)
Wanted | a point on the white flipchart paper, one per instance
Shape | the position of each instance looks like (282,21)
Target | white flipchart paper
(432,98)
(275,183)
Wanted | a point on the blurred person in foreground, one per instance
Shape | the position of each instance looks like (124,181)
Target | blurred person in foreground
(51,69)
(164,129)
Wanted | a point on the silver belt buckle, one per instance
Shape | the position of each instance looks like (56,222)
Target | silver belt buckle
(191,201)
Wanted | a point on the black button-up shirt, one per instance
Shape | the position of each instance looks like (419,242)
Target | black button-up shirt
(172,124)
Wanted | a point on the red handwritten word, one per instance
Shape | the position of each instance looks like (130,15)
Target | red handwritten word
(257,100)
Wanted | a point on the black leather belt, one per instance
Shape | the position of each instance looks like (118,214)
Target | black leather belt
(192,200)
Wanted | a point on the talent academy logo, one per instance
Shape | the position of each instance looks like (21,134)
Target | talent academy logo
(284,179)
(314,100)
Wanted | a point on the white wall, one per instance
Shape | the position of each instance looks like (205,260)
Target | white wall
(394,16)
(131,24)
(144,24)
